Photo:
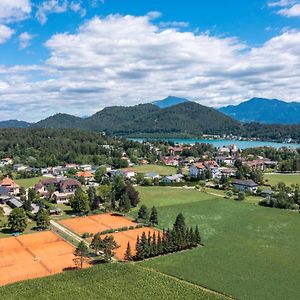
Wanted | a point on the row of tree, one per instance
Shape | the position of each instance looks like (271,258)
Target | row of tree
(178,238)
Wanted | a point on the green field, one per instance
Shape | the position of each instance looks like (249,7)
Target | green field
(108,281)
(159,169)
(28,182)
(250,252)
(288,179)
(162,196)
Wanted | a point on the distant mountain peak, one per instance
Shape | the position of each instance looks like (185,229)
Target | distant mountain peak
(169,101)
(262,110)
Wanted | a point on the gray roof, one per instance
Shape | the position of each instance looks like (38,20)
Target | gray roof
(248,183)
(174,177)
(4,191)
(15,202)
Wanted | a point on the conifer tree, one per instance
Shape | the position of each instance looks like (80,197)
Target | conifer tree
(153,217)
(149,245)
(128,255)
(160,248)
(197,236)
(154,249)
(143,213)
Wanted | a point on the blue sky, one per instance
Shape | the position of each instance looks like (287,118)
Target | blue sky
(77,56)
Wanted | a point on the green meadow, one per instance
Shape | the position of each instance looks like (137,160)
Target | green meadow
(250,252)
(151,168)
(288,179)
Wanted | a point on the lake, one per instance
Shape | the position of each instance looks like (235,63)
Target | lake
(221,142)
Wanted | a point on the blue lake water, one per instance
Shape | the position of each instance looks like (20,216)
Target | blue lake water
(221,143)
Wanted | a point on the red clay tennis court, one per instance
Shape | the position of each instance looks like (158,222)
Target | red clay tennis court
(123,237)
(96,223)
(33,255)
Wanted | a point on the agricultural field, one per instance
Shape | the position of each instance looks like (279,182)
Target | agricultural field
(247,247)
(107,281)
(33,255)
(159,169)
(28,182)
(288,179)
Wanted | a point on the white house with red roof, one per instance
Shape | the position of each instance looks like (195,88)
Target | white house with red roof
(11,185)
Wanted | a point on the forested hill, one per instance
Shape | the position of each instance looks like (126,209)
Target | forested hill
(50,147)
(184,118)
(269,111)
(14,124)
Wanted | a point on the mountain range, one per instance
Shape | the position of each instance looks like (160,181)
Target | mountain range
(268,111)
(184,118)
(174,117)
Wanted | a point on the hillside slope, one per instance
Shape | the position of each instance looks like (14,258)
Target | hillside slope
(187,117)
(269,111)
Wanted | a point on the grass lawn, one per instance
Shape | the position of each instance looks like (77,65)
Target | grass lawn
(28,182)
(162,196)
(108,281)
(250,252)
(159,169)
(288,179)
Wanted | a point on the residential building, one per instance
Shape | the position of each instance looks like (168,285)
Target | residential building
(196,170)
(245,185)
(11,185)
(172,179)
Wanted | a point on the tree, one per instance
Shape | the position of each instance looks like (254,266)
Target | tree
(42,218)
(128,255)
(197,236)
(179,224)
(108,246)
(241,196)
(91,195)
(51,190)
(119,187)
(96,243)
(229,194)
(31,195)
(143,213)
(132,194)
(80,202)
(17,219)
(153,216)
(81,254)
(100,172)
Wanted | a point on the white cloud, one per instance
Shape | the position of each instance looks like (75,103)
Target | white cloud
(293,11)
(5,33)
(24,39)
(48,7)
(288,8)
(125,60)
(14,10)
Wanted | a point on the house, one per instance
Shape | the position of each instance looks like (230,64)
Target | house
(6,161)
(227,160)
(196,170)
(213,167)
(62,197)
(71,166)
(128,173)
(245,185)
(172,179)
(19,167)
(227,172)
(59,185)
(11,185)
(151,176)
(85,167)
(170,160)
(86,175)
(266,193)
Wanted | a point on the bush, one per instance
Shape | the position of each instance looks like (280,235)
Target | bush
(87,235)
(241,196)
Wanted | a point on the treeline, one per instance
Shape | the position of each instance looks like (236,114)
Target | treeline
(179,238)
(39,148)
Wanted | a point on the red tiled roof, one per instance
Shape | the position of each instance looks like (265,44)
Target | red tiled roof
(8,182)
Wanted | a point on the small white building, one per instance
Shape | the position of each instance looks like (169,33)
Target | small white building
(173,178)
